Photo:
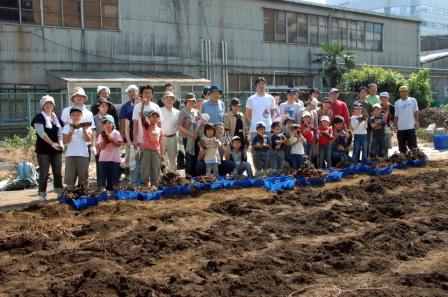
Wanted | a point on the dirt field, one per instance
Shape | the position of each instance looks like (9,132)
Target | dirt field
(366,236)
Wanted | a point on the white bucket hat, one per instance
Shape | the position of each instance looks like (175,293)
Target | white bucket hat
(169,94)
(99,88)
(45,99)
(131,87)
(78,91)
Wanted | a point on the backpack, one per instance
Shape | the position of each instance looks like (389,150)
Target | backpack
(26,171)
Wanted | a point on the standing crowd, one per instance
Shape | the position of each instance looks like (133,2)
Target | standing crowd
(141,140)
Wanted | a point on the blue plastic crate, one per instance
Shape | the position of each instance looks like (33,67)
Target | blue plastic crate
(305,182)
(256,182)
(150,196)
(382,171)
(220,183)
(441,141)
(125,195)
(279,183)
(84,201)
(361,169)
(420,162)
(335,175)
(176,190)
(244,183)
(400,165)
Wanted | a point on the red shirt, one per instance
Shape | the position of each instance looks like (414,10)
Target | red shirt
(339,108)
(322,139)
(309,136)
(152,137)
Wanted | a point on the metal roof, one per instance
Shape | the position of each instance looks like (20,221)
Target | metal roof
(433,55)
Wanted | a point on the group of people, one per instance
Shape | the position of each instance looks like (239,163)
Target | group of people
(142,138)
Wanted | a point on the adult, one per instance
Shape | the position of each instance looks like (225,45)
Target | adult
(104,92)
(324,109)
(296,95)
(186,124)
(313,93)
(49,146)
(204,97)
(290,108)
(126,124)
(79,99)
(235,123)
(214,107)
(224,166)
(362,99)
(146,105)
(170,116)
(406,120)
(389,110)
(339,107)
(260,107)
(168,87)
(373,97)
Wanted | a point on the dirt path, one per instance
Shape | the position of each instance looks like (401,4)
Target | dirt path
(366,236)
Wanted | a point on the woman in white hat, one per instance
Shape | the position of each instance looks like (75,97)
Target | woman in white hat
(49,146)
(104,92)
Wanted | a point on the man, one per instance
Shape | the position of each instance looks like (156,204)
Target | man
(339,107)
(362,99)
(169,128)
(126,124)
(168,87)
(104,92)
(147,93)
(205,96)
(290,108)
(214,107)
(235,122)
(260,107)
(296,93)
(373,98)
(406,120)
(389,110)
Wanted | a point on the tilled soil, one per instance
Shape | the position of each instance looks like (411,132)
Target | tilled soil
(366,236)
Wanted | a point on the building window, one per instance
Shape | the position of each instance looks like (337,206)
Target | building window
(314,29)
(361,35)
(292,27)
(269,25)
(352,33)
(302,28)
(339,31)
(98,14)
(280,26)
(323,30)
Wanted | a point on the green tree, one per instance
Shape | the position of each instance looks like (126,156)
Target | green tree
(335,61)
(419,85)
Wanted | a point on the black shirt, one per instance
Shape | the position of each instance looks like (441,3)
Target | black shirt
(42,147)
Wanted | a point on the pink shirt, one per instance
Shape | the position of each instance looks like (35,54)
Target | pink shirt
(111,153)
(152,137)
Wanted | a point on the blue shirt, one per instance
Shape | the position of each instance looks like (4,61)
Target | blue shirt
(126,113)
(259,139)
(214,110)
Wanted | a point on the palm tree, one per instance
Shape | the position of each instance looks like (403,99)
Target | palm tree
(335,60)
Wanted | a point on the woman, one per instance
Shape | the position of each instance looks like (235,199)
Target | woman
(49,146)
(104,92)
(186,124)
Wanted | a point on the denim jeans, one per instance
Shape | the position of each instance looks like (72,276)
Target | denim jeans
(261,159)
(377,145)
(277,159)
(360,145)
(296,161)
(137,176)
(211,169)
(244,167)
(109,173)
(308,146)
(324,155)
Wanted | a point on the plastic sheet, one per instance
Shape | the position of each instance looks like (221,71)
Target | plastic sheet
(279,183)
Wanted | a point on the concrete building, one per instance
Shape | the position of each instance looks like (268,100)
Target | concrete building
(48,44)
(432,13)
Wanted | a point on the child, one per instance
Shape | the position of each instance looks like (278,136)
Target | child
(152,148)
(378,121)
(297,149)
(324,137)
(307,132)
(77,152)
(102,105)
(210,144)
(359,125)
(109,143)
(342,139)
(278,143)
(238,155)
(261,144)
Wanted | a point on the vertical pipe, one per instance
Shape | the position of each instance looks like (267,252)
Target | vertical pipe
(223,66)
(206,59)
(227,67)
(202,56)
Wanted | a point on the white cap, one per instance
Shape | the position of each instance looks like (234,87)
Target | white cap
(384,94)
(261,124)
(99,88)
(377,105)
(78,91)
(306,113)
(131,87)
(325,118)
(45,99)
(314,102)
(205,117)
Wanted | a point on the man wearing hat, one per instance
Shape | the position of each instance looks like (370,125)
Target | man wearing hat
(235,122)
(214,107)
(204,97)
(104,92)
(339,107)
(406,120)
(389,111)
(290,108)
(169,127)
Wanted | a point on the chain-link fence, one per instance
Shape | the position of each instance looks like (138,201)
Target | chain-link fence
(18,109)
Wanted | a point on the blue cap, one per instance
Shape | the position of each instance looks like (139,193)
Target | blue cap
(292,90)
(108,118)
(215,88)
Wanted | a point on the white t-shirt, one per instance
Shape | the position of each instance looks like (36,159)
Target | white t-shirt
(136,116)
(261,110)
(297,149)
(404,111)
(358,127)
(169,123)
(291,109)
(77,147)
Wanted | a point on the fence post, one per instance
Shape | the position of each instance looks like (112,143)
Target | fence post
(28,95)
